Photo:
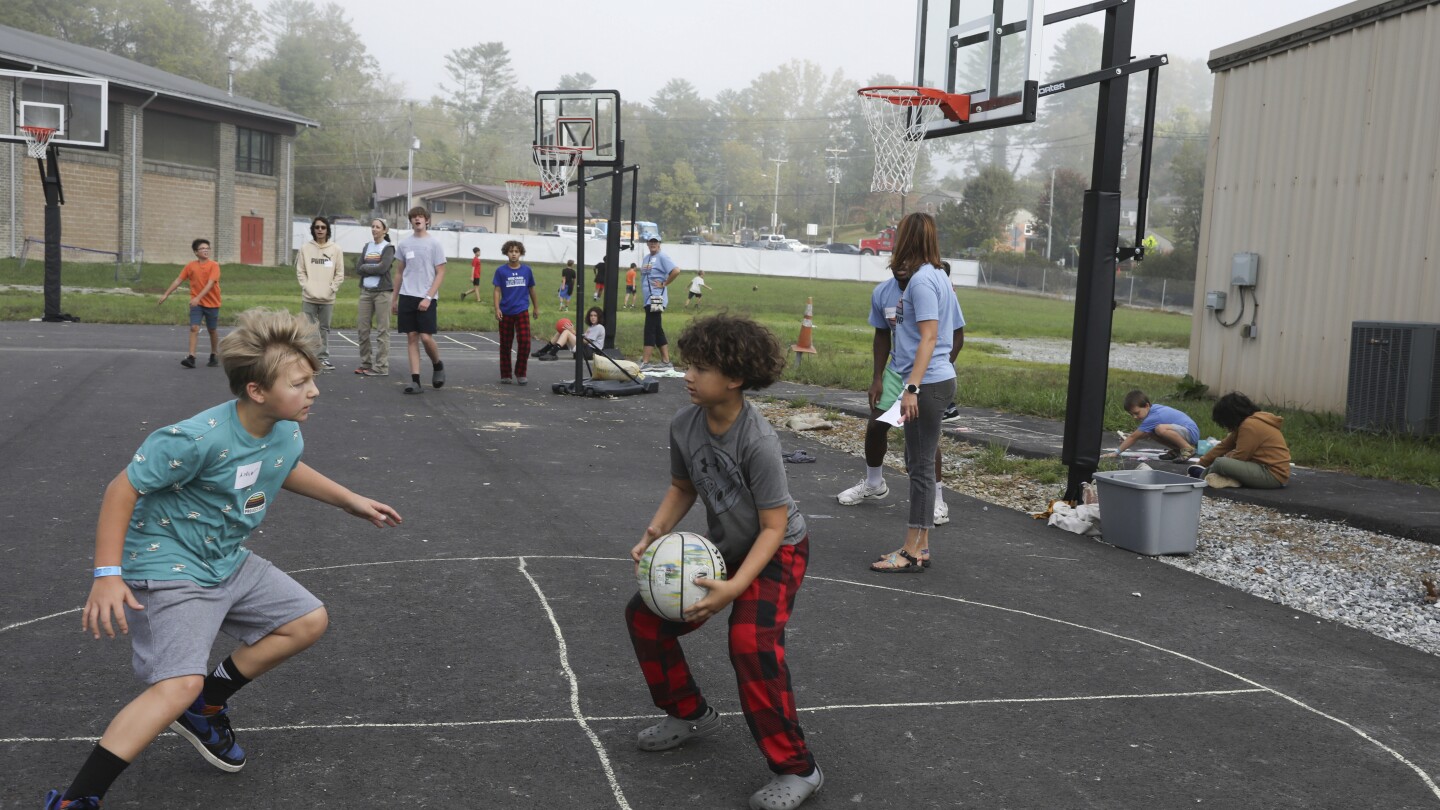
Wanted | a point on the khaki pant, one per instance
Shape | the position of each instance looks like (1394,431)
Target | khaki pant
(320,314)
(1249,473)
(374,305)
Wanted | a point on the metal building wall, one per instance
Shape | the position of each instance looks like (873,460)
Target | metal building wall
(1324,158)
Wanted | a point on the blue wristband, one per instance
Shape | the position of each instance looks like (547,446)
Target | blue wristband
(107,571)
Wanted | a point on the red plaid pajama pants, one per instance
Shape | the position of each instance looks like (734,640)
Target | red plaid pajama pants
(757,651)
(515,328)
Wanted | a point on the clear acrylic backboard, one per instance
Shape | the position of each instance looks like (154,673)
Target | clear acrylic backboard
(987,49)
(77,107)
(585,119)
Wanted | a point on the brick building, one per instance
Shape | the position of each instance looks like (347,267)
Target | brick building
(184,160)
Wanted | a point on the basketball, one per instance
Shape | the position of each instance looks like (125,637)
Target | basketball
(563,324)
(669,568)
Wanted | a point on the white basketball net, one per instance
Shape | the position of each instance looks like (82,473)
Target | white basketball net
(557,165)
(36,140)
(897,123)
(520,192)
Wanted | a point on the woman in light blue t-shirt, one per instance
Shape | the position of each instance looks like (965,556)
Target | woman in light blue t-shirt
(925,320)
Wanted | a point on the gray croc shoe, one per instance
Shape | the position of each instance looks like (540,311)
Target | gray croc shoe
(672,732)
(786,792)
(437,377)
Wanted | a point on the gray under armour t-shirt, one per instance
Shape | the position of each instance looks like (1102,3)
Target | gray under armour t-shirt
(736,474)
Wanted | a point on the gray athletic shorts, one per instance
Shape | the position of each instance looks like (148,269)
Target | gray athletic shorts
(173,635)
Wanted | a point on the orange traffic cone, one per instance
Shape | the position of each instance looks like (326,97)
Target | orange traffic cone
(807,325)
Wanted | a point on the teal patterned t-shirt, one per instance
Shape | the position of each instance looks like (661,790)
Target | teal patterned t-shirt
(205,484)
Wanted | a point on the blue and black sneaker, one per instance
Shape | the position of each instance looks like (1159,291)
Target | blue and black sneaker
(53,801)
(208,729)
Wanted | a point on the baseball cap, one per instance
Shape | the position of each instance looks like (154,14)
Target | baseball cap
(653,239)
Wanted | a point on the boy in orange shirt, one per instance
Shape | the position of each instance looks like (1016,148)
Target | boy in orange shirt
(204,276)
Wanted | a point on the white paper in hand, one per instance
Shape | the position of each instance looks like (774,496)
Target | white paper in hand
(892,416)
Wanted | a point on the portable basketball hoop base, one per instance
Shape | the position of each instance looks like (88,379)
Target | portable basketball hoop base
(520,193)
(899,116)
(37,140)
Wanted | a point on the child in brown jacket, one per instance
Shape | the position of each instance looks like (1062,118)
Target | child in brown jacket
(1253,453)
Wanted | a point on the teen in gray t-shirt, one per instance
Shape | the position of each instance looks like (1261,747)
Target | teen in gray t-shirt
(716,465)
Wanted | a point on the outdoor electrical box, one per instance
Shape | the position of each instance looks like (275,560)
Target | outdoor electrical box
(1215,300)
(1244,268)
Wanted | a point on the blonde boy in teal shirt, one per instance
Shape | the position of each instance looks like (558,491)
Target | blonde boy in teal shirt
(170,564)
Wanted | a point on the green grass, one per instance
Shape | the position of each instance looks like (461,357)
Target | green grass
(987,377)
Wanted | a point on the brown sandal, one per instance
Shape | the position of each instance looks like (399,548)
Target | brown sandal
(911,566)
(924,557)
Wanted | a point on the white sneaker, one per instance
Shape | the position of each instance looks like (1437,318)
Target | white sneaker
(862,492)
(942,513)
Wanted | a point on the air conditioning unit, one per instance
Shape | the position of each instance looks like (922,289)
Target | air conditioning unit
(1394,378)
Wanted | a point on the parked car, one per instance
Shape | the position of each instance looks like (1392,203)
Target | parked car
(755,244)
(841,247)
(815,250)
(448,225)
(794,246)
(476,229)
(694,239)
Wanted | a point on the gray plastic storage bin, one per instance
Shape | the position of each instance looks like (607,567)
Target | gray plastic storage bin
(1149,511)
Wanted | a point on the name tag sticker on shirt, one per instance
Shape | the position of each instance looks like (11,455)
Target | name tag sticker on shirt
(247,475)
(409,254)
(329,263)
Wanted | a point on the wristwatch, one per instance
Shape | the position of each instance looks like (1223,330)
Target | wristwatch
(912,388)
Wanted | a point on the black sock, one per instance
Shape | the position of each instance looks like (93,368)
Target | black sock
(100,770)
(415,378)
(225,681)
(438,365)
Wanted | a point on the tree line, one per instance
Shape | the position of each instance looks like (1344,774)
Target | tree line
(706,163)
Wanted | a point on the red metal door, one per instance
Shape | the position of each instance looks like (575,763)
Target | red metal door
(252,240)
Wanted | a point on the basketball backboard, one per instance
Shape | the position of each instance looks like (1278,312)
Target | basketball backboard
(988,49)
(77,107)
(585,119)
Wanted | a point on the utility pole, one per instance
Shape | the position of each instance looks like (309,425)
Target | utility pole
(775,209)
(1050,220)
(833,175)
(413,144)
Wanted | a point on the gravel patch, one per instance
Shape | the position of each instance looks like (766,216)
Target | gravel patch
(1126,356)
(1358,578)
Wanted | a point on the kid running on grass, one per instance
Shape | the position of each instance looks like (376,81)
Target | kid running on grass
(170,561)
(474,277)
(726,454)
(204,277)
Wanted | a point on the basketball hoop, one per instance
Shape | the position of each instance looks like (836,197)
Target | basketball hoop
(520,193)
(37,139)
(898,117)
(557,165)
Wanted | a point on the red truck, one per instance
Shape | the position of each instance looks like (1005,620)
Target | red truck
(884,243)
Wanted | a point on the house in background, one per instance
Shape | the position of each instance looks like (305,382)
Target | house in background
(470,204)
(185,160)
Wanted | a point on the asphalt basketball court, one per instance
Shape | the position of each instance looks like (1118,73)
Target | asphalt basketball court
(477,655)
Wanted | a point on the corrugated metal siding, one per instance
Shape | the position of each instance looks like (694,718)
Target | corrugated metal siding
(1325,160)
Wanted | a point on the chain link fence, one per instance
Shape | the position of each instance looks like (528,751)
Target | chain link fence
(1175,295)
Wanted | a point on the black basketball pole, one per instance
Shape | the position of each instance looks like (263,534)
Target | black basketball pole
(612,247)
(54,198)
(1099,245)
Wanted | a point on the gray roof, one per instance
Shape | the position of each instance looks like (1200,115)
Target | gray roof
(390,187)
(58,55)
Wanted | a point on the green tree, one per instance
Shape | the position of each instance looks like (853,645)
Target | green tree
(674,198)
(1188,169)
(576,81)
(990,202)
